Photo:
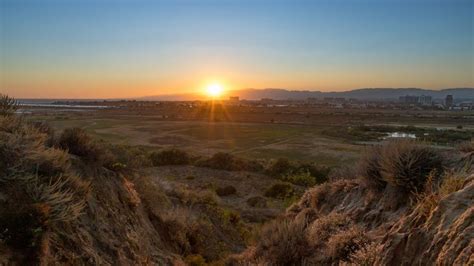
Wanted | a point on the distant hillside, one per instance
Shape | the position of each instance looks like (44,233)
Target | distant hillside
(367,94)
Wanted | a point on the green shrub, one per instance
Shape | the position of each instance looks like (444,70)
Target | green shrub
(170,157)
(226,161)
(280,191)
(301,179)
(280,167)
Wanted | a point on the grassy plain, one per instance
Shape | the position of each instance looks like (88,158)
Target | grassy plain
(324,136)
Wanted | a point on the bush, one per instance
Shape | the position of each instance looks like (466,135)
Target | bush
(8,105)
(126,157)
(226,191)
(280,167)
(301,179)
(283,242)
(226,161)
(46,129)
(280,191)
(169,157)
(407,165)
(35,175)
(76,141)
(403,164)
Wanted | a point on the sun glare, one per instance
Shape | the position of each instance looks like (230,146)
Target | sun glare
(214,90)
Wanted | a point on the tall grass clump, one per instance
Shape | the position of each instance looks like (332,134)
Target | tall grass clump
(402,164)
(283,242)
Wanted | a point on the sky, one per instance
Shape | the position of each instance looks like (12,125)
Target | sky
(132,48)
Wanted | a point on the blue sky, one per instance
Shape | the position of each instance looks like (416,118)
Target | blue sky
(130,48)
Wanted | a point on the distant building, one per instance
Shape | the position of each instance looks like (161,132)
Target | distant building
(234,98)
(408,99)
(425,100)
(448,102)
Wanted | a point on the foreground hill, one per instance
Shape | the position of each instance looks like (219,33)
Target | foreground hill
(70,200)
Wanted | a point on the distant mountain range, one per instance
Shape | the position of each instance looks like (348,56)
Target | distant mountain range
(362,94)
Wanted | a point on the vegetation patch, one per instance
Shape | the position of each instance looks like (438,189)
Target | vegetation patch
(280,191)
(170,157)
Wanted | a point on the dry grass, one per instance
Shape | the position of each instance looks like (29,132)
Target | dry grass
(427,201)
(366,255)
(321,229)
(283,242)
(8,105)
(343,244)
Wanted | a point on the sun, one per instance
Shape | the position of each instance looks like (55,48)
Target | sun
(214,90)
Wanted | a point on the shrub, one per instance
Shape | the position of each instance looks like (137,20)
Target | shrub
(280,191)
(319,173)
(403,164)
(226,161)
(406,165)
(8,105)
(63,204)
(279,167)
(76,141)
(226,191)
(283,242)
(37,175)
(169,157)
(126,157)
(46,129)
(301,179)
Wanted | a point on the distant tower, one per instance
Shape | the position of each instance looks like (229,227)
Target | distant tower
(449,101)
